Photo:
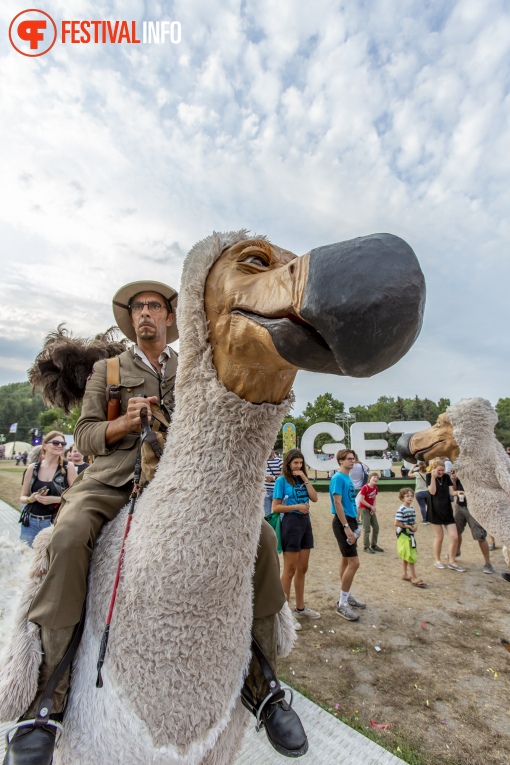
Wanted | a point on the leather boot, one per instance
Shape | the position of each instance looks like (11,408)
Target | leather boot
(282,724)
(31,745)
(34,744)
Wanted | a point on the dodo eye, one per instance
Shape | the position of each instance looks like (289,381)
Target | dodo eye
(257,260)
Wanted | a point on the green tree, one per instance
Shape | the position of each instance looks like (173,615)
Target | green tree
(385,409)
(416,411)
(56,419)
(502,429)
(323,409)
(442,405)
(400,409)
(430,410)
(382,411)
(19,404)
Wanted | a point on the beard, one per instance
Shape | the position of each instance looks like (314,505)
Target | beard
(146,331)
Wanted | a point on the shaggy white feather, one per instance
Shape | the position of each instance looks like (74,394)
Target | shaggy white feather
(22,570)
(483,466)
(180,637)
(285,632)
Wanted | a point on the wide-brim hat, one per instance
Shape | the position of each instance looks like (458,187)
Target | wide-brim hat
(123,297)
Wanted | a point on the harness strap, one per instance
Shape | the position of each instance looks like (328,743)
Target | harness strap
(267,670)
(35,471)
(112,387)
(158,415)
(46,705)
(153,442)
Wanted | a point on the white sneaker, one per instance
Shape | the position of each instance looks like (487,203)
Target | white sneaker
(347,612)
(297,625)
(309,613)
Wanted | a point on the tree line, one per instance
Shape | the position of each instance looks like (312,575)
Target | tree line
(326,408)
(19,404)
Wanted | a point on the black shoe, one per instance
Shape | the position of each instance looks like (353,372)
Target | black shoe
(376,548)
(283,726)
(31,745)
(369,550)
(506,576)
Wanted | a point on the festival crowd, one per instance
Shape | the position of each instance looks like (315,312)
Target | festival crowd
(353,491)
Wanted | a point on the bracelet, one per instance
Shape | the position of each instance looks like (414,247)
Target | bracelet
(306,483)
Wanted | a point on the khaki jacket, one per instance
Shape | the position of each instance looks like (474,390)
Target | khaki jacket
(114,465)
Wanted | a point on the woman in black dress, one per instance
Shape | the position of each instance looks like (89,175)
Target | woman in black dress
(440,513)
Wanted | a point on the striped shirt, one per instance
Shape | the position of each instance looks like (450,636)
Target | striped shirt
(273,467)
(406,515)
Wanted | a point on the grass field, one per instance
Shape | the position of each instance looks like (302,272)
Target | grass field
(10,482)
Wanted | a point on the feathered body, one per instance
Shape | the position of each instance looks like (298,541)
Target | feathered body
(483,466)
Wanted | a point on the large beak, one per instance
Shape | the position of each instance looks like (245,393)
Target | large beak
(404,449)
(360,311)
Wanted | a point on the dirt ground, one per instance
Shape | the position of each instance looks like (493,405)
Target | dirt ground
(441,677)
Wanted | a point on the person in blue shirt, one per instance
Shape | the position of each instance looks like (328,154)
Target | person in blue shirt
(346,531)
(292,495)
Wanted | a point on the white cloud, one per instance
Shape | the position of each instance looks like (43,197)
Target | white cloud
(309,123)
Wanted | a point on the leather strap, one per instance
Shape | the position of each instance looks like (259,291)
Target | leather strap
(158,415)
(113,371)
(46,705)
(267,670)
(112,387)
(153,442)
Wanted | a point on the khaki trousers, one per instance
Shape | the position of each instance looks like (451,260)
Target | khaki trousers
(86,507)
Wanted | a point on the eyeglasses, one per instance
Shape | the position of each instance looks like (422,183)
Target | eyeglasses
(152,305)
(57,443)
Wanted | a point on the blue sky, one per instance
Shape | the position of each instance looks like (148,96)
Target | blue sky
(310,123)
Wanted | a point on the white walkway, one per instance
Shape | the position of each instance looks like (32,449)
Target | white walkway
(331,741)
(9,521)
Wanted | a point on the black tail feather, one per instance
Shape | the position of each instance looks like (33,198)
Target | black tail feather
(61,369)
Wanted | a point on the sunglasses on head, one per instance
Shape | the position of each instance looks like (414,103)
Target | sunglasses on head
(57,443)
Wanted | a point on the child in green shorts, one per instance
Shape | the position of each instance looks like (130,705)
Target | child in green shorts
(405,521)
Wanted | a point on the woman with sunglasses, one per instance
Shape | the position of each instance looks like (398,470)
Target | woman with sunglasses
(43,485)
(292,495)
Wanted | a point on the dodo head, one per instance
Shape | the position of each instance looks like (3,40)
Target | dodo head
(437,441)
(461,430)
(351,308)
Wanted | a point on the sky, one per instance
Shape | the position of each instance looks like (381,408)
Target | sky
(311,123)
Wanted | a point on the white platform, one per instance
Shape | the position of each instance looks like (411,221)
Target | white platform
(331,742)
(9,521)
